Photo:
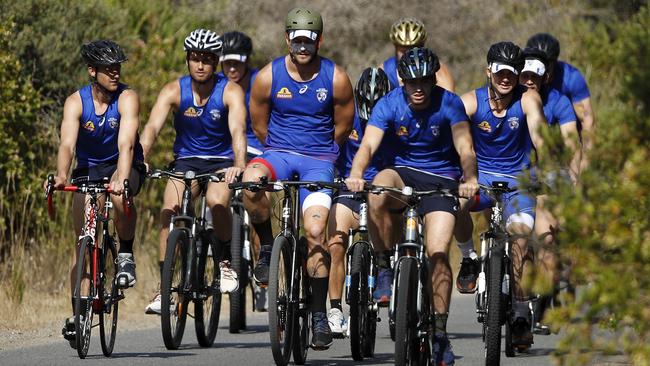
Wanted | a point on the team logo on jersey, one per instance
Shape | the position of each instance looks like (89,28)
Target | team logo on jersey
(321,94)
(113,122)
(192,112)
(89,126)
(403,131)
(354,135)
(284,93)
(303,89)
(101,122)
(215,114)
(485,126)
(513,123)
(435,130)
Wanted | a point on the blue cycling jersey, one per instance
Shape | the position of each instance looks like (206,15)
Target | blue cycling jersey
(350,148)
(569,81)
(97,139)
(390,67)
(252,140)
(557,107)
(202,131)
(501,143)
(302,113)
(421,139)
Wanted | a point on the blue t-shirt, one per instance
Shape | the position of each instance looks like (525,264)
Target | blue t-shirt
(390,67)
(202,131)
(302,113)
(350,148)
(557,107)
(421,139)
(569,81)
(97,139)
(250,135)
(501,143)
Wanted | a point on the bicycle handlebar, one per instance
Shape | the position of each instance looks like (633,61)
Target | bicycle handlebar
(188,175)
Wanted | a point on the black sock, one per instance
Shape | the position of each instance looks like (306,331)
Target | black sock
(383,259)
(265,232)
(336,304)
(126,246)
(72,301)
(441,323)
(225,250)
(160,265)
(318,294)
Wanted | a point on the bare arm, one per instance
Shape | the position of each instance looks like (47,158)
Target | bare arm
(69,133)
(585,115)
(444,78)
(260,103)
(371,140)
(469,101)
(343,105)
(129,108)
(570,137)
(168,98)
(531,103)
(233,98)
(464,145)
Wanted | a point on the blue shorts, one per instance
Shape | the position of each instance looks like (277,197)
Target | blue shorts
(517,202)
(284,165)
(104,171)
(422,181)
(199,165)
(341,199)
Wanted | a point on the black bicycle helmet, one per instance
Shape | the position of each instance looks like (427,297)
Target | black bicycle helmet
(547,44)
(506,53)
(372,85)
(536,53)
(103,52)
(203,40)
(236,43)
(418,62)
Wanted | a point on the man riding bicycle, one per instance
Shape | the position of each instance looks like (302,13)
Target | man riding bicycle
(407,33)
(302,107)
(432,146)
(100,126)
(505,117)
(210,124)
(372,85)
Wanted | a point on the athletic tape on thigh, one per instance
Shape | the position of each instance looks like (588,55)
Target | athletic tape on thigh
(521,218)
(316,199)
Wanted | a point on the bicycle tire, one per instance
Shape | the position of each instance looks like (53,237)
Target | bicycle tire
(207,308)
(509,348)
(83,308)
(300,346)
(281,311)
(109,298)
(237,262)
(493,318)
(357,298)
(405,327)
(174,311)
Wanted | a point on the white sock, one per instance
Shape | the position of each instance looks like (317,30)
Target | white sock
(467,249)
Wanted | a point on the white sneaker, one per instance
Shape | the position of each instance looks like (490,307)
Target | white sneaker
(125,270)
(261,300)
(229,282)
(337,322)
(154,306)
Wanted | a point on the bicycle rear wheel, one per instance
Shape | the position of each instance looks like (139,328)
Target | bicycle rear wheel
(405,317)
(358,301)
(239,265)
(109,297)
(83,296)
(301,292)
(207,307)
(281,311)
(493,318)
(174,300)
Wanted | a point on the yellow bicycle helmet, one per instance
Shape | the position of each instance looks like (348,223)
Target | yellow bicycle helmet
(408,32)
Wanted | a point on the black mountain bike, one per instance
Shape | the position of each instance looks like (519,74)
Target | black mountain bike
(410,306)
(97,289)
(191,267)
(288,287)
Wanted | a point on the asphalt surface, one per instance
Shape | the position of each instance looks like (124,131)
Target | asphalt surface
(251,347)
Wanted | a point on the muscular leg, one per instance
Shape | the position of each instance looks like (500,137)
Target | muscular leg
(439,229)
(545,226)
(340,221)
(218,200)
(381,223)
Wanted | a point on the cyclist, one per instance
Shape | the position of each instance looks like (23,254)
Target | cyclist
(558,111)
(372,85)
(406,33)
(504,116)
(100,126)
(568,80)
(235,65)
(432,147)
(302,107)
(209,119)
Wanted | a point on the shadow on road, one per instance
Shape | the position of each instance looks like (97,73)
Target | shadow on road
(145,355)
(379,359)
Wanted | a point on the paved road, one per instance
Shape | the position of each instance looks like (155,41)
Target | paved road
(145,347)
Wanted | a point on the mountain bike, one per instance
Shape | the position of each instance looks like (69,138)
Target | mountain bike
(97,289)
(191,266)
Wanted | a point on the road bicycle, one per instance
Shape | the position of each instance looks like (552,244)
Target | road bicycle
(97,288)
(191,267)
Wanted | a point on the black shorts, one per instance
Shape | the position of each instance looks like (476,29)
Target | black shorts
(104,172)
(422,181)
(199,165)
(352,204)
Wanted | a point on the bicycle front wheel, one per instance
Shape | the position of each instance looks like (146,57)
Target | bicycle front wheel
(174,300)
(83,296)
(207,307)
(240,266)
(494,307)
(281,310)
(302,293)
(405,312)
(362,334)
(109,297)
